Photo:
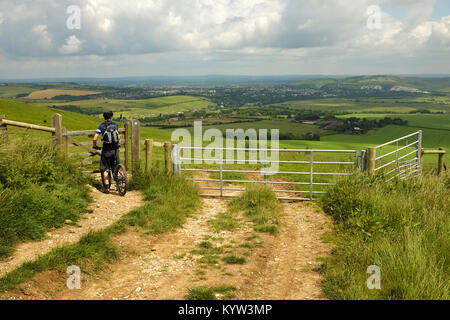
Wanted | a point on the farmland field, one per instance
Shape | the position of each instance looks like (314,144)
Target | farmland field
(372,105)
(51,93)
(285,127)
(132,109)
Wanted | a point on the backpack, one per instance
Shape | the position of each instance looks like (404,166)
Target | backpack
(111,135)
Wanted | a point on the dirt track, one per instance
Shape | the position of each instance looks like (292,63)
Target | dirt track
(164,267)
(106,209)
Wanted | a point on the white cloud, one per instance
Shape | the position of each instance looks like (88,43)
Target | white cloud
(72,46)
(290,33)
(43,37)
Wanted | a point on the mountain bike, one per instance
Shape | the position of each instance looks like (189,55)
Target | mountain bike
(119,175)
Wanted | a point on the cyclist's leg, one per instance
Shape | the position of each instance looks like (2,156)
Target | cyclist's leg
(104,166)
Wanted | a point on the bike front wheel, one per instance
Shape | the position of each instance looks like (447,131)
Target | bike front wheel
(121,180)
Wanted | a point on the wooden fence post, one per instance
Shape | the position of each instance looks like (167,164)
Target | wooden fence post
(148,155)
(421,159)
(135,146)
(65,143)
(3,127)
(371,159)
(127,145)
(168,157)
(57,136)
(441,161)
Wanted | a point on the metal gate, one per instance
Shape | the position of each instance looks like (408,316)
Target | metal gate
(300,169)
(397,159)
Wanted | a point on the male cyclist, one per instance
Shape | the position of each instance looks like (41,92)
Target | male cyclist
(110,151)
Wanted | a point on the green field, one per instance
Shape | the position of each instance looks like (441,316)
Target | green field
(431,121)
(10,92)
(372,104)
(285,127)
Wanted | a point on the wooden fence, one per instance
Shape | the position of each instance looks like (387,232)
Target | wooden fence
(64,140)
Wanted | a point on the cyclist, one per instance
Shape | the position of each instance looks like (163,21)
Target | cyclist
(110,151)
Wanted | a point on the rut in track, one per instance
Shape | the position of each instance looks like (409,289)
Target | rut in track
(106,209)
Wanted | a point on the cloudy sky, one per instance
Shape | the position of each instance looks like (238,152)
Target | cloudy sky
(116,38)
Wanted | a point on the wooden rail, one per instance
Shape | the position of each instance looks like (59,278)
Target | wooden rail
(4,123)
(441,158)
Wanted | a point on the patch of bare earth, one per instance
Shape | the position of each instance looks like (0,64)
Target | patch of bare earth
(284,268)
(106,209)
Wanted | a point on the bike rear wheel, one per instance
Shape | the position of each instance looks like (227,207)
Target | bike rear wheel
(121,180)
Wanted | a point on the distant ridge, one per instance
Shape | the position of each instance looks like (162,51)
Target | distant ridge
(310,81)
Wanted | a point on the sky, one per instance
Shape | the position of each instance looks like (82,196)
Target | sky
(116,38)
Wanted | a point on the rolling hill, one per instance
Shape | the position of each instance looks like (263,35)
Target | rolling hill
(386,82)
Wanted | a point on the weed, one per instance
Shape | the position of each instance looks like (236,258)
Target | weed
(232,259)
(210,293)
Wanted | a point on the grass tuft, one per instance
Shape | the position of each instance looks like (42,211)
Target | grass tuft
(260,204)
(233,259)
(210,293)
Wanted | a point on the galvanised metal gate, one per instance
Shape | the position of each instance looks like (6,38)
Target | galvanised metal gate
(397,159)
(314,169)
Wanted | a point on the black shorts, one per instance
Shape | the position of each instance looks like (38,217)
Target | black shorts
(109,160)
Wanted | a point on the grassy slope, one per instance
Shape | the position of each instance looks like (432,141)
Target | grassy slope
(389,226)
(39,190)
(11,91)
(41,115)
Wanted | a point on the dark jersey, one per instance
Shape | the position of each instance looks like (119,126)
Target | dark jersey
(101,131)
